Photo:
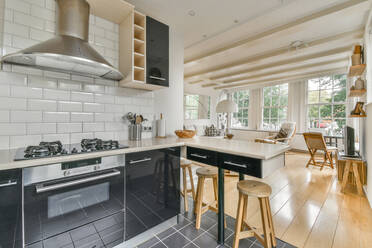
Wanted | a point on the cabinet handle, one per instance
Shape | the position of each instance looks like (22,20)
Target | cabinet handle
(198,156)
(171,149)
(9,183)
(158,78)
(234,164)
(139,161)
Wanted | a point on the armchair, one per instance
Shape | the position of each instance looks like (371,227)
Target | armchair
(285,135)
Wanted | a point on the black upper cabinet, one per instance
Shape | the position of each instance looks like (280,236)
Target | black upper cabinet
(11,209)
(157,52)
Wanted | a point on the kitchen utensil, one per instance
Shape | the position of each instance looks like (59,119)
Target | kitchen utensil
(135,132)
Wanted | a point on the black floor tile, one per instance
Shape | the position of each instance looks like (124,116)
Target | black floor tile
(190,232)
(207,222)
(36,245)
(175,240)
(105,223)
(58,241)
(191,245)
(159,245)
(166,233)
(243,243)
(93,241)
(206,241)
(82,232)
(182,222)
(214,231)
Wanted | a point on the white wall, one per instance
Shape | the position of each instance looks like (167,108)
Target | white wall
(40,105)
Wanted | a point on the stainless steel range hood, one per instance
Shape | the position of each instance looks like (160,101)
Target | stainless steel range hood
(69,51)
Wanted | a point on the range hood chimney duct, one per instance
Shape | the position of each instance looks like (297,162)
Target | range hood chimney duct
(69,51)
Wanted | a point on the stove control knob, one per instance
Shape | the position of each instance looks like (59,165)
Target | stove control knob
(74,150)
(97,167)
(67,173)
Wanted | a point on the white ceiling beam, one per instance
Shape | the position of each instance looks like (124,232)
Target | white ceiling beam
(296,68)
(289,25)
(353,35)
(287,61)
(278,79)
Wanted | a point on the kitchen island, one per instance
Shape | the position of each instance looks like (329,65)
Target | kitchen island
(141,162)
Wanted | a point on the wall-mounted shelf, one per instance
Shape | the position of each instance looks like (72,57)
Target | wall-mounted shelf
(357,93)
(357,116)
(356,70)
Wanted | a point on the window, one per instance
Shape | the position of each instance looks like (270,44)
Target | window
(240,119)
(275,106)
(327,103)
(197,107)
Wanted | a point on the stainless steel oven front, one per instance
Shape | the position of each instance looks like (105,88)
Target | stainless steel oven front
(72,203)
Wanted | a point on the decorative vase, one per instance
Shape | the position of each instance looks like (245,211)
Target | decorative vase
(355,59)
(359,84)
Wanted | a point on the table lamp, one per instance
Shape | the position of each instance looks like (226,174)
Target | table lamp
(227,106)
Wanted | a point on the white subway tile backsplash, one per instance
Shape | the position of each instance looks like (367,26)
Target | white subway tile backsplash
(82,96)
(100,98)
(99,41)
(50,26)
(4,115)
(70,106)
(114,126)
(27,20)
(45,105)
(94,107)
(56,117)
(113,108)
(4,142)
(103,117)
(64,138)
(26,70)
(16,29)
(40,35)
(104,135)
(25,116)
(8,15)
(94,88)
(123,100)
(18,5)
(42,82)
(100,22)
(13,103)
(26,92)
(41,128)
(4,90)
(42,12)
(93,127)
(82,117)
(13,78)
(69,85)
(7,39)
(50,4)
(40,3)
(24,141)
(56,94)
(69,128)
(12,128)
(77,137)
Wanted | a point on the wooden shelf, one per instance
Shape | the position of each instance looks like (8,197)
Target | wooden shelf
(139,34)
(117,11)
(357,116)
(139,47)
(139,19)
(357,93)
(356,70)
(137,27)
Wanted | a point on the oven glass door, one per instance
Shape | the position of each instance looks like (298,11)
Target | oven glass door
(78,210)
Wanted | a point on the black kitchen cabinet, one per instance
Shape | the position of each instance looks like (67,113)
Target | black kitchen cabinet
(11,209)
(152,189)
(157,52)
(244,165)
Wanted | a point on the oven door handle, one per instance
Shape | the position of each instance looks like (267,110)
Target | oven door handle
(40,188)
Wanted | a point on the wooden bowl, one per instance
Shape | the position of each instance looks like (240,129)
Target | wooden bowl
(229,136)
(185,134)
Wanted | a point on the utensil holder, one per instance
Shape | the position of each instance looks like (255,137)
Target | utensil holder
(135,132)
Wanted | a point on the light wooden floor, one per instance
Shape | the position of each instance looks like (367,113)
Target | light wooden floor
(308,208)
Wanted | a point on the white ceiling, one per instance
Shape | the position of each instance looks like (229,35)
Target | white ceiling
(211,16)
(254,50)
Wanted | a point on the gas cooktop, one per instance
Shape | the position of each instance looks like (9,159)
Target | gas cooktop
(54,149)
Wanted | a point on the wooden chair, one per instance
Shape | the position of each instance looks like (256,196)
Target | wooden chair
(262,191)
(315,142)
(288,127)
(186,167)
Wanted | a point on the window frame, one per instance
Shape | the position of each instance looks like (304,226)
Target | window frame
(241,109)
(272,106)
(319,103)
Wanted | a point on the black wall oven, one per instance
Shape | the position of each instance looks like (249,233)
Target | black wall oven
(75,203)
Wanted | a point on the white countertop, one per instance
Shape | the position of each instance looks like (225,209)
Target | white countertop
(237,147)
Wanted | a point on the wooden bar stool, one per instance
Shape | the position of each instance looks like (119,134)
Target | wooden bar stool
(262,191)
(186,167)
(200,207)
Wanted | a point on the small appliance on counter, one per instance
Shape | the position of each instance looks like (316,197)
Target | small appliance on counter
(212,131)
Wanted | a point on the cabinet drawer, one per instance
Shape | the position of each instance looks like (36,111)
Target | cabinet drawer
(141,158)
(247,166)
(174,151)
(202,156)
